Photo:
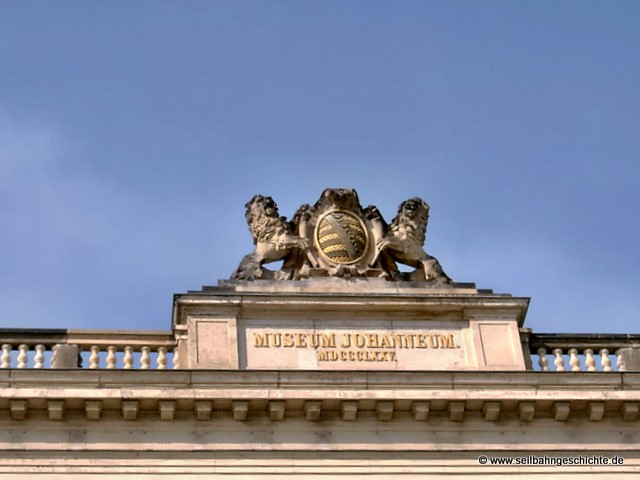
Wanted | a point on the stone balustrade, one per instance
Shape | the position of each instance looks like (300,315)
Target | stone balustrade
(92,349)
(562,352)
(139,349)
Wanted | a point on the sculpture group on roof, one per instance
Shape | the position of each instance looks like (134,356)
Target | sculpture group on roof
(336,237)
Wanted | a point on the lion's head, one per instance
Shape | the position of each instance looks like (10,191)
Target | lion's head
(263,218)
(412,213)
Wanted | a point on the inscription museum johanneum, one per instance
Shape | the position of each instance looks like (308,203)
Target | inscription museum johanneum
(349,341)
(354,347)
(337,364)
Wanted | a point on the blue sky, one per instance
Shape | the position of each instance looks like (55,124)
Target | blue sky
(133,133)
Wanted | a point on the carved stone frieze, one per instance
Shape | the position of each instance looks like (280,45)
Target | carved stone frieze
(337,237)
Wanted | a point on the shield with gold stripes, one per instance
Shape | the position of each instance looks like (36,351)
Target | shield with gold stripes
(341,237)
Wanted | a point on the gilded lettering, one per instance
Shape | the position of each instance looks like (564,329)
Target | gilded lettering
(287,340)
(328,341)
(328,355)
(446,341)
(363,343)
(408,341)
(261,339)
(301,340)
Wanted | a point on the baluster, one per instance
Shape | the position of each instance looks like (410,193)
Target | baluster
(620,361)
(111,357)
(38,360)
(605,360)
(128,357)
(144,358)
(176,358)
(22,355)
(94,358)
(162,358)
(559,361)
(6,356)
(543,361)
(589,361)
(574,361)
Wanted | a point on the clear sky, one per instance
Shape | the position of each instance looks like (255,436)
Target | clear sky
(133,133)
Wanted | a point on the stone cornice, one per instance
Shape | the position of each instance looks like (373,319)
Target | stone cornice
(324,380)
(419,303)
(345,394)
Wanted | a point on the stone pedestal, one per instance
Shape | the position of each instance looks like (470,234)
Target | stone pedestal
(630,358)
(349,324)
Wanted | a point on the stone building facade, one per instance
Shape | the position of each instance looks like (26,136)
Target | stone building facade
(338,365)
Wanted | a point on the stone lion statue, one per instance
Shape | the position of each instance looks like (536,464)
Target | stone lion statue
(404,239)
(272,238)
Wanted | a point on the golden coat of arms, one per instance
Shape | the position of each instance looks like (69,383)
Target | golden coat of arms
(341,237)
(337,237)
